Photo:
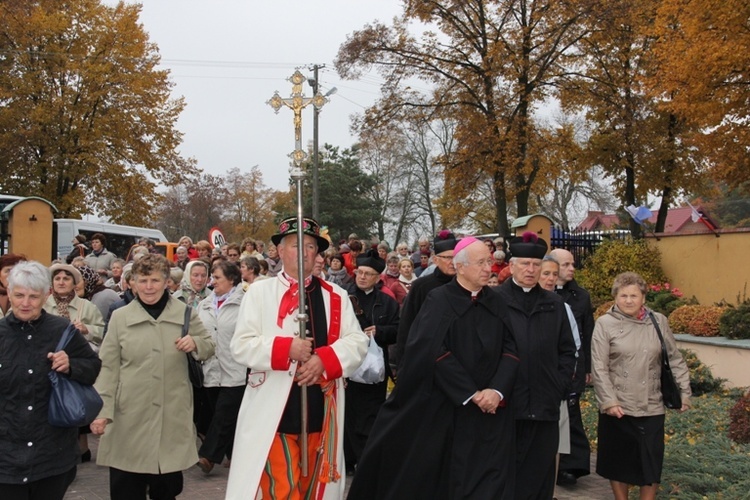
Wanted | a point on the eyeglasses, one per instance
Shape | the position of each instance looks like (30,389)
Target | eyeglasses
(365,273)
(445,257)
(483,263)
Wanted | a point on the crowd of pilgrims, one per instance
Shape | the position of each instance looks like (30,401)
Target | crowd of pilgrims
(91,283)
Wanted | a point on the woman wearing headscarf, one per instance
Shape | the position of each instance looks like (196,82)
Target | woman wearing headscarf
(148,437)
(224,377)
(37,460)
(194,280)
(95,291)
(7,262)
(626,360)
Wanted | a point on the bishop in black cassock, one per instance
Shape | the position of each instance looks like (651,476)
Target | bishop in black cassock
(447,430)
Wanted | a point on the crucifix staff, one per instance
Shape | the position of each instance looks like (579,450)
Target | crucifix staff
(297,102)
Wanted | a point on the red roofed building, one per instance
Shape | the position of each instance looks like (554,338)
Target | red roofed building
(598,221)
(679,220)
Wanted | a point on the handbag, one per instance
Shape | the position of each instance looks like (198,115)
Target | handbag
(372,369)
(71,403)
(195,367)
(670,391)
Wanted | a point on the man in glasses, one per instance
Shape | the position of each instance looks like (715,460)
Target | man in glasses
(444,243)
(445,432)
(377,313)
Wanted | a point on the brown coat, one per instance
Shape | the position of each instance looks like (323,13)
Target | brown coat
(626,364)
(146,390)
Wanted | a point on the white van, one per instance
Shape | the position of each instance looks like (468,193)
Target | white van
(119,238)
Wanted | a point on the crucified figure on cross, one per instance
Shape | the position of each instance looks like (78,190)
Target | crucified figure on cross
(297,102)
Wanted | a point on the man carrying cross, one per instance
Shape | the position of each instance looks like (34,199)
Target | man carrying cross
(269,427)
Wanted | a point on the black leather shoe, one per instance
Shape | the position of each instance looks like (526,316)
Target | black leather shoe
(566,479)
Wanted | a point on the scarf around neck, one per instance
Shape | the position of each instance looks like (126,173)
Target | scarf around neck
(62,302)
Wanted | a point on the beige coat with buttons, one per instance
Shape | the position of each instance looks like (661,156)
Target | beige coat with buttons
(147,392)
(626,364)
(83,311)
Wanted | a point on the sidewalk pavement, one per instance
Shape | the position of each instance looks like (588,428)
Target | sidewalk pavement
(92,483)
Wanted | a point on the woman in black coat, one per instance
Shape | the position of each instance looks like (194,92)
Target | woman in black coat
(37,460)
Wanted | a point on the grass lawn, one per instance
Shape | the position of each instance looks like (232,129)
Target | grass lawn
(700,461)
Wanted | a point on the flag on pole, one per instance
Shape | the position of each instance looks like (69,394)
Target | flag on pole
(640,214)
(695,215)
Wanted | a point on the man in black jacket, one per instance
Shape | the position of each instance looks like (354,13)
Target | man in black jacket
(577,463)
(547,352)
(443,244)
(377,313)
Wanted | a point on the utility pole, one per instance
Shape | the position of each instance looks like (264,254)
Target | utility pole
(315,206)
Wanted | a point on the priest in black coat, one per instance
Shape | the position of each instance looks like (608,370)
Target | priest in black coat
(447,430)
(443,244)
(547,350)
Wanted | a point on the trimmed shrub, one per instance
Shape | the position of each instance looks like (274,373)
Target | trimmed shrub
(739,420)
(735,322)
(681,317)
(615,257)
(706,324)
(702,381)
(603,308)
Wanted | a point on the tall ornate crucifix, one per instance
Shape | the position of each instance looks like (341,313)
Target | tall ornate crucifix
(297,102)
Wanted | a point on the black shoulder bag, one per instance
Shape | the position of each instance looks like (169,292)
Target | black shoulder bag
(195,367)
(670,391)
(71,403)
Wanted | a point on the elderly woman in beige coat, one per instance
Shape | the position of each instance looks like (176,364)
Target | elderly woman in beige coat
(147,426)
(626,370)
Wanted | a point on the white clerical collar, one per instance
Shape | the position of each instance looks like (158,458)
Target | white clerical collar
(525,289)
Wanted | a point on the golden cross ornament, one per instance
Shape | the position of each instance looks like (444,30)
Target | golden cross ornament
(297,102)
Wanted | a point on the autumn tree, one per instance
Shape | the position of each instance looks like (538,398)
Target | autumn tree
(192,207)
(702,76)
(572,186)
(635,141)
(488,63)
(86,119)
(249,206)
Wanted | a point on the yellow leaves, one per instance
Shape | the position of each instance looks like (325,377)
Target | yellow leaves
(88,121)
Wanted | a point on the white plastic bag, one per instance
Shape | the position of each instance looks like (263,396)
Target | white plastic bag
(372,369)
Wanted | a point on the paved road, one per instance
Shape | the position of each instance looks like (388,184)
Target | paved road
(92,483)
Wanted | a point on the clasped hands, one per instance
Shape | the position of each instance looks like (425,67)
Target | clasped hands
(487,400)
(309,367)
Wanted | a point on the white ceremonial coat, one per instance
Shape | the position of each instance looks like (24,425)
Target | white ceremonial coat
(267,390)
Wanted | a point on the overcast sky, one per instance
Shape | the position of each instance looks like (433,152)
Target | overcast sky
(227,57)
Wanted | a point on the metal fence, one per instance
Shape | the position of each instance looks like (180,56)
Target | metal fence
(582,244)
